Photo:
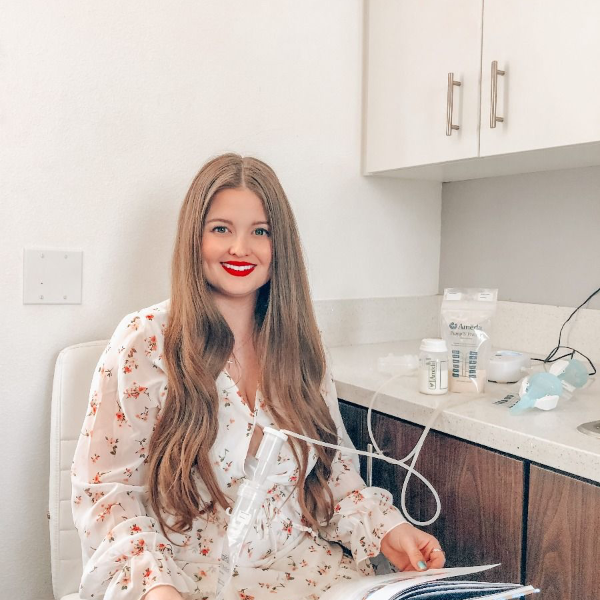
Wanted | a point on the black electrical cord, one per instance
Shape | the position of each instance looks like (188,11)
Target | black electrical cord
(552,354)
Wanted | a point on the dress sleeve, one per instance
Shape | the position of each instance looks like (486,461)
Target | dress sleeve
(124,553)
(362,515)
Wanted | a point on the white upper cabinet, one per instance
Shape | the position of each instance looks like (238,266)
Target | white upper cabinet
(545,91)
(413,45)
(550,94)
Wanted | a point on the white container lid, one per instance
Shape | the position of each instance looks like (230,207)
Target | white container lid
(433,345)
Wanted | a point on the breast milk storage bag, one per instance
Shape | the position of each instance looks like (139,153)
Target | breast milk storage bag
(466,323)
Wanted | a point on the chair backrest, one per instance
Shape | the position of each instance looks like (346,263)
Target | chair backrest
(72,378)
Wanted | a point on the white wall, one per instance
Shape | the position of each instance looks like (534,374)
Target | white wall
(107,110)
(532,236)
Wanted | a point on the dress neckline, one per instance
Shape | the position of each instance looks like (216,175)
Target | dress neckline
(258,399)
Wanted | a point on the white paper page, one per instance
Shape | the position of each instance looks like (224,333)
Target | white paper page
(356,589)
(522,591)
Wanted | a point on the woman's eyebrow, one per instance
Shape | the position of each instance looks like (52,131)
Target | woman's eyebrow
(230,223)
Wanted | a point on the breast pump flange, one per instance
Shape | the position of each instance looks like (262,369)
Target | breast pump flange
(543,390)
(250,497)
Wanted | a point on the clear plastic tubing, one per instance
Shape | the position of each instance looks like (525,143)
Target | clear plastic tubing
(433,366)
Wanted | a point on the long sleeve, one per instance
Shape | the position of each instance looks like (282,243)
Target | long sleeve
(124,553)
(362,515)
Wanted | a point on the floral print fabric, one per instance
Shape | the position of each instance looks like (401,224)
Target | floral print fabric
(126,554)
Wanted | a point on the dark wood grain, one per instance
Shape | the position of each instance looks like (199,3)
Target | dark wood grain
(481,492)
(563,536)
(355,421)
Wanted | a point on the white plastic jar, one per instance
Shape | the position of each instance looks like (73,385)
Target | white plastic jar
(433,366)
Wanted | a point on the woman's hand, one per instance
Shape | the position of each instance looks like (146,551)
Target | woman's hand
(409,548)
(163,592)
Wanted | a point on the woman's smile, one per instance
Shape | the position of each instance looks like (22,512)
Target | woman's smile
(237,268)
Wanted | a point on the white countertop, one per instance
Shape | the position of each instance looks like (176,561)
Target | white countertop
(549,438)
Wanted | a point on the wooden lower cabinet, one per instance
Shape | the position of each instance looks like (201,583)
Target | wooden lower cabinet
(563,536)
(481,492)
(355,421)
(484,518)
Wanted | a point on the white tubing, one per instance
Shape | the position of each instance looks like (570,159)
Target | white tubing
(414,454)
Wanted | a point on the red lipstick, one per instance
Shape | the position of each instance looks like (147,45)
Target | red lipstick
(238,268)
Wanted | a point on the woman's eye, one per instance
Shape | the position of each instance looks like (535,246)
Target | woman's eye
(220,229)
(262,231)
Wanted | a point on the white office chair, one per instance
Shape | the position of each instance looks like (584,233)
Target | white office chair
(72,378)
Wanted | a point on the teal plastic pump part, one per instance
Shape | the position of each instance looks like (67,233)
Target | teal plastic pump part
(575,373)
(540,385)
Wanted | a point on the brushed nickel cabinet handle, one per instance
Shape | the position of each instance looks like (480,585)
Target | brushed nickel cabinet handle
(450,104)
(494,118)
(369,466)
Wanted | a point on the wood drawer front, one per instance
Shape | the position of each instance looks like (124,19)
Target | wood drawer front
(482,492)
(563,536)
(355,421)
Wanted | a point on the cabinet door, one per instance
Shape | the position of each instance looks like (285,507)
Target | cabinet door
(481,493)
(548,97)
(355,421)
(412,45)
(563,543)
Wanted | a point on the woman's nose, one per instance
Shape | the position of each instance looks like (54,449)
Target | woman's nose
(240,246)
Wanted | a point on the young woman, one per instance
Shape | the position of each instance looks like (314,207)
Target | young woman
(180,399)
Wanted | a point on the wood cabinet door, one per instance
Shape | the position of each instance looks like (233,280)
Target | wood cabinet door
(549,50)
(411,46)
(355,421)
(563,536)
(481,493)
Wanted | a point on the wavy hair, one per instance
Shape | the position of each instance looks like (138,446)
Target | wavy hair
(198,343)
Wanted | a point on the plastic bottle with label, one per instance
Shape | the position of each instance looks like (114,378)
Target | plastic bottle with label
(433,366)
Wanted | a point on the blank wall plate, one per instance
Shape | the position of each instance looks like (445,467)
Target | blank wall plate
(52,276)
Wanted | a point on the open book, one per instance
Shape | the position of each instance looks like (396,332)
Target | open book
(428,585)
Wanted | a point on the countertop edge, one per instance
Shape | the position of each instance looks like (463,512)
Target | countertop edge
(571,461)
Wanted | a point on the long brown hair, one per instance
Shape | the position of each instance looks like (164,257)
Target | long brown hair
(198,343)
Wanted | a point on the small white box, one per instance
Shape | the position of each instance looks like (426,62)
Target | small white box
(52,276)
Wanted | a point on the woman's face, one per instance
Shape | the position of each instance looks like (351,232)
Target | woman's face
(236,244)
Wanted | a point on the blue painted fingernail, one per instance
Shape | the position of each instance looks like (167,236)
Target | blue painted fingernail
(422,566)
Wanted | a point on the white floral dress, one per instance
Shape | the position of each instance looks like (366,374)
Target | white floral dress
(125,552)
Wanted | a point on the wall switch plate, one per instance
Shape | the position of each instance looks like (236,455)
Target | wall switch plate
(52,276)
